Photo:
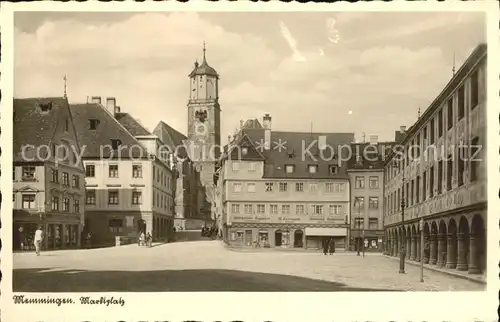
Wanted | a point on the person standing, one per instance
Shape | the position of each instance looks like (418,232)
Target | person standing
(325,246)
(331,246)
(38,240)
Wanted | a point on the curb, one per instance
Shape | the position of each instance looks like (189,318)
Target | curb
(439,270)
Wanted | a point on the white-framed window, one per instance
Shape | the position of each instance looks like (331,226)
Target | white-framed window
(273,209)
(65,204)
(283,186)
(372,223)
(29,201)
(359,182)
(113,197)
(136,197)
(261,209)
(252,167)
(313,168)
(359,204)
(237,187)
(359,223)
(76,205)
(235,208)
(235,166)
(269,186)
(317,209)
(136,171)
(374,182)
(248,209)
(90,197)
(113,170)
(299,209)
(373,202)
(251,187)
(55,203)
(335,209)
(329,187)
(289,168)
(299,187)
(313,187)
(285,209)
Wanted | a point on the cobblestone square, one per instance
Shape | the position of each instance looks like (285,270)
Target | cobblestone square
(209,266)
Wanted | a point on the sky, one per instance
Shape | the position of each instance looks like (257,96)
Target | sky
(357,72)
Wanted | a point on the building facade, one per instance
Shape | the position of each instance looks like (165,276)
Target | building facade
(48,176)
(130,185)
(276,193)
(442,178)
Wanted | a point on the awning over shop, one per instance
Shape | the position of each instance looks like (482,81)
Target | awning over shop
(326,231)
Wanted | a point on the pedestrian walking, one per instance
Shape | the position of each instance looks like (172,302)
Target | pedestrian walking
(325,246)
(331,246)
(149,239)
(89,240)
(141,238)
(37,241)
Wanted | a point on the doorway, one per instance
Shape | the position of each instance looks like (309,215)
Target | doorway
(298,235)
(277,238)
(141,226)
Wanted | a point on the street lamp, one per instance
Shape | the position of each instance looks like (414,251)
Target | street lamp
(402,252)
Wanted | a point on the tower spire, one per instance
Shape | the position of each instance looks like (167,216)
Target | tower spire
(453,69)
(204,52)
(65,86)
(418,111)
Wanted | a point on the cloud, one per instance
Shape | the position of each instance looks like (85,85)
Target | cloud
(143,60)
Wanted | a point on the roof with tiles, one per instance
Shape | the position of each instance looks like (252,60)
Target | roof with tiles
(172,138)
(299,149)
(107,129)
(367,156)
(131,124)
(34,123)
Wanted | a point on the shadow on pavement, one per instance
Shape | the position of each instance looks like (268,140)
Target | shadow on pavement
(40,280)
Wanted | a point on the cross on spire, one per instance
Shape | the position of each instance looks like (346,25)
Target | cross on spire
(65,86)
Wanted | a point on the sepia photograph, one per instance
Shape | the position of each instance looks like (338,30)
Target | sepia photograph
(249,152)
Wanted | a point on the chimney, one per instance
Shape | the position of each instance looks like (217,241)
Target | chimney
(96,100)
(111,105)
(117,110)
(322,142)
(241,124)
(402,128)
(373,139)
(267,131)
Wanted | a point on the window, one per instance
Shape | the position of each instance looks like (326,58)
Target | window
(112,197)
(285,209)
(317,209)
(417,147)
(359,223)
(313,187)
(335,209)
(237,187)
(474,90)
(76,205)
(90,171)
(28,173)
(269,186)
(461,165)
(330,187)
(251,167)
(93,124)
(431,182)
(248,209)
(299,187)
(154,173)
(158,178)
(235,166)
(283,186)
(299,209)
(424,186)
(440,123)
(360,183)
(450,113)
(374,183)
(398,202)
(113,170)
(372,223)
(251,187)
(440,177)
(136,171)
(359,204)
(289,168)
(235,208)
(115,143)
(55,203)
(136,197)
(76,181)
(273,209)
(461,102)
(433,131)
(408,195)
(373,202)
(333,169)
(90,197)
(65,179)
(66,204)
(29,201)
(449,173)
(55,176)
(313,168)
(115,225)
(417,190)
(474,159)
(261,209)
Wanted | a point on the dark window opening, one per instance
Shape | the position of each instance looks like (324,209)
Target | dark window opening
(474,92)
(93,124)
(424,186)
(440,177)
(449,173)
(431,182)
(440,123)
(115,143)
(461,102)
(474,159)
(450,113)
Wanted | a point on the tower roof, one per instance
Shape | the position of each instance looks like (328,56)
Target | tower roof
(204,68)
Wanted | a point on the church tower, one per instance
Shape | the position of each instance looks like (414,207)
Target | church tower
(204,120)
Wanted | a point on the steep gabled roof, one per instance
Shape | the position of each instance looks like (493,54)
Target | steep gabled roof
(131,124)
(172,138)
(108,128)
(253,124)
(252,152)
(301,149)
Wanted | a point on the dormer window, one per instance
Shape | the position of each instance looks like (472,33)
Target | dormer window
(291,154)
(115,143)
(244,150)
(313,168)
(289,168)
(333,169)
(93,124)
(46,107)
(359,158)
